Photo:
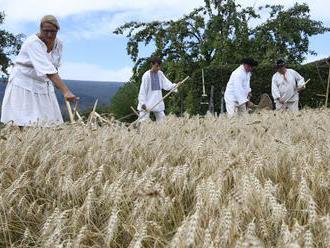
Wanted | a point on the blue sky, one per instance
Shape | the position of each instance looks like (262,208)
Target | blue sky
(93,52)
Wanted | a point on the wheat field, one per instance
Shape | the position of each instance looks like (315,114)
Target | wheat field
(261,180)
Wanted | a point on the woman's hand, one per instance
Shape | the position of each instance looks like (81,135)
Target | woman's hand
(68,95)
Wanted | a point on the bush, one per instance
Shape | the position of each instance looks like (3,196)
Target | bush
(121,102)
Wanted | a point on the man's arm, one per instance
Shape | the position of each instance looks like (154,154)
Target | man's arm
(143,93)
(276,91)
(240,91)
(300,81)
(166,83)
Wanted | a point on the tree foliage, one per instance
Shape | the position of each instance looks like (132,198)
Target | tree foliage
(123,100)
(223,32)
(9,45)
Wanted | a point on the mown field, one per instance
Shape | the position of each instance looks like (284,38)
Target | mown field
(262,180)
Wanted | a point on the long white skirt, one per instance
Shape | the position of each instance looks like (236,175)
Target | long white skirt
(23,107)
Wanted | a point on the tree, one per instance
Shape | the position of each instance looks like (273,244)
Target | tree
(286,34)
(10,44)
(123,100)
(220,32)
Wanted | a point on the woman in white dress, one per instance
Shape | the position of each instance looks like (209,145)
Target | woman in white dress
(30,97)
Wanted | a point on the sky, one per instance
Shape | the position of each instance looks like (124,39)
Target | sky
(93,52)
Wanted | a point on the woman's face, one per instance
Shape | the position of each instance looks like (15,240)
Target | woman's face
(48,32)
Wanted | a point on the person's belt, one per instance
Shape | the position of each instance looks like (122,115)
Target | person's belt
(31,67)
(25,65)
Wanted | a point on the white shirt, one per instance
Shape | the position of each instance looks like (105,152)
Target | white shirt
(33,63)
(238,86)
(286,87)
(151,97)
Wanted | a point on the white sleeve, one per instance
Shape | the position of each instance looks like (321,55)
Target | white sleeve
(143,90)
(299,79)
(166,83)
(275,90)
(248,87)
(57,56)
(40,60)
(240,88)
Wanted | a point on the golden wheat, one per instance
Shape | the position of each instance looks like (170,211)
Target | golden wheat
(261,180)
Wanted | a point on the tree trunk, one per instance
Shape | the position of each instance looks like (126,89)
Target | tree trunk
(222,107)
(211,105)
(328,88)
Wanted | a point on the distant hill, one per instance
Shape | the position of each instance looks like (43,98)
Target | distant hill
(88,91)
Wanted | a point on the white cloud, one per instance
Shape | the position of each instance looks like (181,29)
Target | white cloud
(93,72)
(91,19)
(312,58)
(32,10)
(92,27)
(88,19)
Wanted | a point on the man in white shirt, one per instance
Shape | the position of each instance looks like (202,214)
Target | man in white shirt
(153,82)
(286,85)
(238,91)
